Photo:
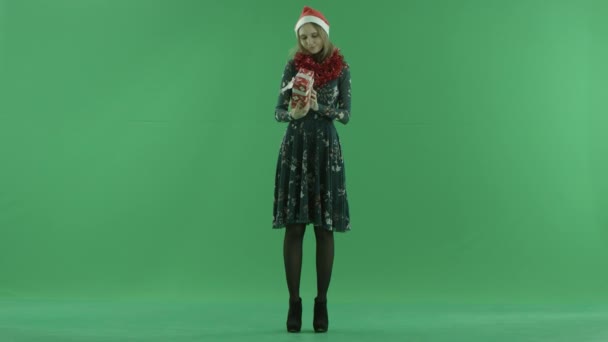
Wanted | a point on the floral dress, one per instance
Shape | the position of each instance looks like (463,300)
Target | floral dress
(310,184)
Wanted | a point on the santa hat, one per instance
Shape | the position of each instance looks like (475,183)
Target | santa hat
(310,15)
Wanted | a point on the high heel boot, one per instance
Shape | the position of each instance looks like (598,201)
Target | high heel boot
(294,316)
(321,320)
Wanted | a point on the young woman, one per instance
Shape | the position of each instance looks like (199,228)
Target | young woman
(310,186)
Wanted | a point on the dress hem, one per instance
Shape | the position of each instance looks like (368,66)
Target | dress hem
(282,226)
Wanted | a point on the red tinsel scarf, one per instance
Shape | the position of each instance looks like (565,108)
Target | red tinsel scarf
(325,71)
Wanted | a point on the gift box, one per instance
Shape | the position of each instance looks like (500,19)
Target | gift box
(302,87)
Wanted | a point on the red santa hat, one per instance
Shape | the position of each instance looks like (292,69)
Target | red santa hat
(310,15)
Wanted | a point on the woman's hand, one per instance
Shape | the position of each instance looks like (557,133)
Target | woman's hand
(299,111)
(313,101)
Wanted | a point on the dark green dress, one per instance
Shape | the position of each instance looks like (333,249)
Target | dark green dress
(310,183)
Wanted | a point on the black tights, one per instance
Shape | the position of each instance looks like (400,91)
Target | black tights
(292,254)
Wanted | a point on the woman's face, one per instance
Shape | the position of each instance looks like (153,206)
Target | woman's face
(310,39)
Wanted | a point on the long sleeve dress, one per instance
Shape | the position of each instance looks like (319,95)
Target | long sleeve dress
(310,183)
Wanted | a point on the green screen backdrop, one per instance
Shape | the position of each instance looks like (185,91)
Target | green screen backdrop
(138,147)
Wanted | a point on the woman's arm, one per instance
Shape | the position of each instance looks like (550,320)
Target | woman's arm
(281,111)
(342,111)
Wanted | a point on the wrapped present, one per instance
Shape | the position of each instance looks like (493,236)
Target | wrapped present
(302,87)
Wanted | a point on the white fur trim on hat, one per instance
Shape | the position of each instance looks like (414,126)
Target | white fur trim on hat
(312,19)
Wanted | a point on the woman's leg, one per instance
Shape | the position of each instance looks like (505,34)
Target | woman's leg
(325,260)
(292,255)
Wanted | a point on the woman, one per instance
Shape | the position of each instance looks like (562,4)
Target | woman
(310,185)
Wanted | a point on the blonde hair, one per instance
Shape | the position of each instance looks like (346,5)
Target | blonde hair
(328,46)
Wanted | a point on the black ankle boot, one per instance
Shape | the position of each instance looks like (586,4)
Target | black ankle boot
(294,316)
(321,320)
